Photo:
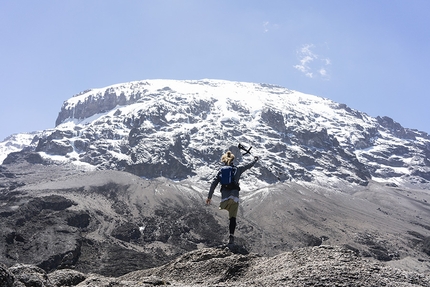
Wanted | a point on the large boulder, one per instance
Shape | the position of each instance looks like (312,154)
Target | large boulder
(30,276)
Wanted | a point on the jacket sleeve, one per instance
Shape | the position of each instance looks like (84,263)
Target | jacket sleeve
(214,183)
(242,168)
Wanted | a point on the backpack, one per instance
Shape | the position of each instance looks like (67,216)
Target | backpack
(227,174)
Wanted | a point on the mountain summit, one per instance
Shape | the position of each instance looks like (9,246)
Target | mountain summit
(179,129)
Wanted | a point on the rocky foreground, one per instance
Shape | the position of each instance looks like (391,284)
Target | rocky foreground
(313,266)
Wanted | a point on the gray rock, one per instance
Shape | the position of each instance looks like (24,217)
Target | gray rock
(66,277)
(30,276)
(315,266)
(6,277)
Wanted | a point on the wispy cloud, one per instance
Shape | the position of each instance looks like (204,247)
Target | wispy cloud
(311,64)
(323,72)
(267,26)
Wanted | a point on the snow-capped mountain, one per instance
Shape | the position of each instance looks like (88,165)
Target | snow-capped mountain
(179,129)
(17,142)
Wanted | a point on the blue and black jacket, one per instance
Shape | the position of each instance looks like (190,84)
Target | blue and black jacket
(225,192)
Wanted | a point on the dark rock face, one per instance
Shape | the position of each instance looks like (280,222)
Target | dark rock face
(6,277)
(171,168)
(57,231)
(398,130)
(30,157)
(127,232)
(35,233)
(420,241)
(274,120)
(426,245)
(79,219)
(376,248)
(95,104)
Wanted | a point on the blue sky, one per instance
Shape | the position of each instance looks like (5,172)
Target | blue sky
(372,55)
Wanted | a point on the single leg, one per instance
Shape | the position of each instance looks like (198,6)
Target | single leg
(232,227)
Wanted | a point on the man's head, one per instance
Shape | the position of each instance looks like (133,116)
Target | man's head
(227,158)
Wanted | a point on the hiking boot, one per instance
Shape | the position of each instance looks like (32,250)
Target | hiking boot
(231,239)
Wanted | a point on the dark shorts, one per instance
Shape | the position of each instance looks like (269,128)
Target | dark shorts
(231,206)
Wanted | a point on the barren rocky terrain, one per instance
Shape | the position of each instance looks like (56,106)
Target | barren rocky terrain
(311,266)
(110,223)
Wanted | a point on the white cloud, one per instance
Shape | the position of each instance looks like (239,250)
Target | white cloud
(323,72)
(312,64)
(267,26)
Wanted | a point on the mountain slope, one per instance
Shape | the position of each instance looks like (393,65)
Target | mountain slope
(17,142)
(111,222)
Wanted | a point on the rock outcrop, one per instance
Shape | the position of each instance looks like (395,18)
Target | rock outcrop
(314,266)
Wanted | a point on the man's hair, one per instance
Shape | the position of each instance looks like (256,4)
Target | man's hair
(227,158)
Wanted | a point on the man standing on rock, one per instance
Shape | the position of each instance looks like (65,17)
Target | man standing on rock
(229,176)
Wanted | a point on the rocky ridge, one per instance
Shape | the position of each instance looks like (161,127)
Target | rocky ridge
(314,266)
